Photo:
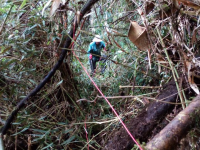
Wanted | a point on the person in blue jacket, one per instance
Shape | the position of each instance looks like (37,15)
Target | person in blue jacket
(94,51)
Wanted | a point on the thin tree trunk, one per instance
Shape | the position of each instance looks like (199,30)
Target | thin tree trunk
(170,136)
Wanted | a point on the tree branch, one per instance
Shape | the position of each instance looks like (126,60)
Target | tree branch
(85,8)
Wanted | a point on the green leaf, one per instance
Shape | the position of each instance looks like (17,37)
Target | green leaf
(59,83)
(49,145)
(32,81)
(21,131)
(16,123)
(4,49)
(67,131)
(34,26)
(4,66)
(23,4)
(68,140)
(38,130)
(42,118)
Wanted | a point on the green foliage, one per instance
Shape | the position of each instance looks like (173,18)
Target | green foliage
(51,118)
(141,144)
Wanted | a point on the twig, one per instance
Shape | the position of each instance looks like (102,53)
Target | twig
(159,100)
(129,96)
(119,46)
(97,122)
(86,32)
(80,100)
(78,32)
(166,102)
(145,87)
(97,135)
(6,19)
(81,51)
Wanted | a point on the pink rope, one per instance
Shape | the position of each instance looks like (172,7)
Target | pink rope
(129,133)
(108,103)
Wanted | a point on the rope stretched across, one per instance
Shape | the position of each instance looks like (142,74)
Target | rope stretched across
(95,85)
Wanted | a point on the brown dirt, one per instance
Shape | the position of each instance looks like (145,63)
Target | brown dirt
(142,126)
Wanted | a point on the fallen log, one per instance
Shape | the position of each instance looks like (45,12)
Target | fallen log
(170,136)
(141,127)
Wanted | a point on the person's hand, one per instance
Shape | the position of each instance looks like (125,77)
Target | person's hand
(90,56)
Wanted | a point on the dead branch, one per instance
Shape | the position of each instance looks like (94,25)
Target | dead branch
(145,87)
(170,136)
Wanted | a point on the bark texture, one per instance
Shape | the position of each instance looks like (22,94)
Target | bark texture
(170,136)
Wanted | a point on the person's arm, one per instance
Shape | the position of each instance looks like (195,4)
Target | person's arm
(104,46)
(89,51)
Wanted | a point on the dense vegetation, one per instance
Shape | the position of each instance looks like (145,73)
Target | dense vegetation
(68,112)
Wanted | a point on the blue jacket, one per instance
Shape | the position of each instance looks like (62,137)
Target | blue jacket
(96,49)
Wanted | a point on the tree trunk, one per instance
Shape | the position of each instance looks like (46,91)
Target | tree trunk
(170,136)
(141,127)
(68,82)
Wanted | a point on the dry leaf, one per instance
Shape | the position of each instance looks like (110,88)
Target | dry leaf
(191,78)
(138,36)
(54,7)
(191,3)
(160,60)
(78,16)
(194,36)
(146,101)
(188,67)
(149,7)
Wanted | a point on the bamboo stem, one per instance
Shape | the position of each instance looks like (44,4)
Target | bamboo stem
(172,68)
(128,96)
(182,91)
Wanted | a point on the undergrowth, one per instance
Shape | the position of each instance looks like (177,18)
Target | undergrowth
(69,113)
